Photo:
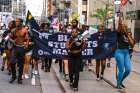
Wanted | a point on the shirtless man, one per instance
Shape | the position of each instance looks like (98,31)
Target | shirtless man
(20,39)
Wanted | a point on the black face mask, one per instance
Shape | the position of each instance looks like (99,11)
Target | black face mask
(74,26)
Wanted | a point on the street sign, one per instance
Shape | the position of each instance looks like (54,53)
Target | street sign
(133,15)
(117,2)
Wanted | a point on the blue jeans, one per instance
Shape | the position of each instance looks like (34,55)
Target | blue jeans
(123,63)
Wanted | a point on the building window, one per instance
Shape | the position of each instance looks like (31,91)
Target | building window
(0,8)
(85,14)
(5,5)
(84,2)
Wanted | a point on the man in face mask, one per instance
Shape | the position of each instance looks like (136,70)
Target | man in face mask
(69,28)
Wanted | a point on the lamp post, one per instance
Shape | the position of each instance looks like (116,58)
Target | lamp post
(17,8)
(116,10)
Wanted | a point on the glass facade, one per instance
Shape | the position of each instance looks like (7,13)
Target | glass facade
(5,5)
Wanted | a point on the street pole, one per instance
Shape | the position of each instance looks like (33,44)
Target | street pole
(45,7)
(2,9)
(114,14)
(106,11)
(17,8)
(114,28)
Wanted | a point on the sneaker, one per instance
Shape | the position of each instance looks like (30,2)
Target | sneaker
(35,72)
(119,87)
(89,68)
(42,67)
(33,80)
(98,79)
(108,65)
(75,89)
(26,76)
(2,68)
(9,72)
(101,77)
(122,86)
(12,79)
(71,85)
(66,78)
(23,76)
(46,70)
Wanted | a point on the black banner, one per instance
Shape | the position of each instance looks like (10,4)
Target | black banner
(99,45)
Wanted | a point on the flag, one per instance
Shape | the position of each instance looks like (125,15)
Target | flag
(124,2)
(55,23)
(31,21)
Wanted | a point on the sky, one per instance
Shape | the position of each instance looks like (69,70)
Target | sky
(35,6)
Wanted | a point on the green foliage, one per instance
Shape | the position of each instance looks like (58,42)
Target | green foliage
(74,16)
(101,13)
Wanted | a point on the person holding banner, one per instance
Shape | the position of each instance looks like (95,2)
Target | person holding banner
(48,61)
(100,62)
(74,47)
(122,53)
(66,29)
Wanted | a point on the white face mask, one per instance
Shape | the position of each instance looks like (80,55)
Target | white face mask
(69,30)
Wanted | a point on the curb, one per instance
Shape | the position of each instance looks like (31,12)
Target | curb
(138,51)
(136,72)
(59,80)
(39,70)
(106,80)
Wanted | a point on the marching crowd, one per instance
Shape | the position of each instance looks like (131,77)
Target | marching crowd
(17,50)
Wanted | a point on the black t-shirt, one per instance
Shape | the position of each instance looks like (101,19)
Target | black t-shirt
(122,41)
(76,46)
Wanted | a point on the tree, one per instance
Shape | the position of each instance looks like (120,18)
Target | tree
(101,14)
(74,16)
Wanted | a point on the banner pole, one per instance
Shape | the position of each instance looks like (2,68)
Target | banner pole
(116,71)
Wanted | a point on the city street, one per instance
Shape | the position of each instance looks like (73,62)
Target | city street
(53,82)
(26,87)
(49,42)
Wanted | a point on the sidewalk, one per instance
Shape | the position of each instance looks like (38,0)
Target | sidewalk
(54,82)
(87,83)
(26,87)
(137,48)
(49,82)
(132,82)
